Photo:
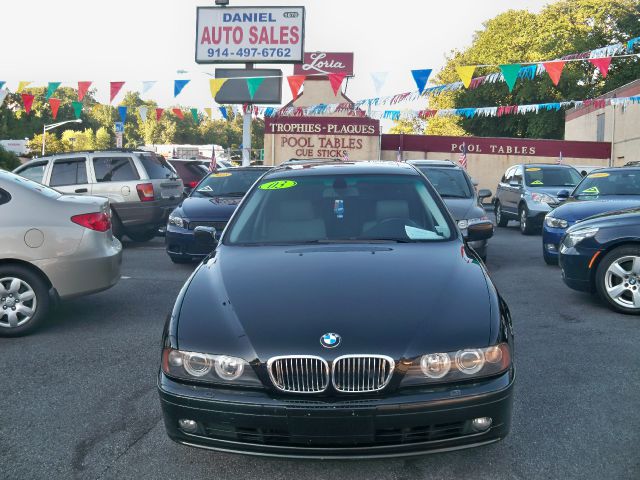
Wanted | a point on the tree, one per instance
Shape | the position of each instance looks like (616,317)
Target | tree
(413,126)
(103,139)
(8,160)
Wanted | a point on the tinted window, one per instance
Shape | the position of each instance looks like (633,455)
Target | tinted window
(4,197)
(449,182)
(617,182)
(551,177)
(68,172)
(156,167)
(517,175)
(34,172)
(232,183)
(114,169)
(507,175)
(339,208)
(190,171)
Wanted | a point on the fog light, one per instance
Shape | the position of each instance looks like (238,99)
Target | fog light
(191,426)
(481,424)
(551,247)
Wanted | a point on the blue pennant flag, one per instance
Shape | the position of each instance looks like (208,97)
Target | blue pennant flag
(2,84)
(178,85)
(123,113)
(421,77)
(223,111)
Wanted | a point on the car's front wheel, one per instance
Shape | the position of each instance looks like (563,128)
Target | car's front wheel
(618,279)
(526,227)
(501,220)
(24,300)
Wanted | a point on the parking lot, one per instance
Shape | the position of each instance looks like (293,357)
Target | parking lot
(79,397)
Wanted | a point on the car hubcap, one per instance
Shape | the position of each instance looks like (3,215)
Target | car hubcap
(622,281)
(17,302)
(498,214)
(523,220)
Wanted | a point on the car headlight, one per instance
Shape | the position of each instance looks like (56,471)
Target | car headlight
(573,238)
(543,198)
(177,221)
(457,366)
(553,222)
(204,367)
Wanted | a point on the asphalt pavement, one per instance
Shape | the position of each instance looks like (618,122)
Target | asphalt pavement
(78,398)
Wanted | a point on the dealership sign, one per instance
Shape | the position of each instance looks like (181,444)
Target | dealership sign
(249,34)
(323,63)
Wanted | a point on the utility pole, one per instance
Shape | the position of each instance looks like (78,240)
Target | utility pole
(613,136)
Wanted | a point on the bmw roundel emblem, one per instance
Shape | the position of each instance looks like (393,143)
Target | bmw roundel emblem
(330,340)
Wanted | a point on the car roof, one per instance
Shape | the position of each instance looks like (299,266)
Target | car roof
(343,168)
(248,167)
(434,163)
(554,165)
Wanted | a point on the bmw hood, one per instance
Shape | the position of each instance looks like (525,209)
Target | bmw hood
(400,300)
(215,208)
(576,210)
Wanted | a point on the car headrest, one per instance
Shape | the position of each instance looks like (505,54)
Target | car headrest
(392,209)
(295,210)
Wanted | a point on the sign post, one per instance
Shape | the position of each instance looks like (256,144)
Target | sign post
(119,128)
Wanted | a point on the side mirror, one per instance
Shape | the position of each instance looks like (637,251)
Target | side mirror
(563,194)
(484,193)
(206,236)
(514,183)
(480,231)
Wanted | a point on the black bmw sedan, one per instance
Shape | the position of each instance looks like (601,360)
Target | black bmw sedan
(340,315)
(602,254)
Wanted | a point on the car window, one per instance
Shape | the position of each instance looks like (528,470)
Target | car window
(448,182)
(339,208)
(517,175)
(4,197)
(617,182)
(156,167)
(114,169)
(551,177)
(232,182)
(507,175)
(190,171)
(72,171)
(33,172)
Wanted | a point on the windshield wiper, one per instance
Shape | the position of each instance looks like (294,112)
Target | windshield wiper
(231,194)
(444,195)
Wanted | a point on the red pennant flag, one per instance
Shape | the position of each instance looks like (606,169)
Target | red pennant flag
(178,113)
(336,81)
(115,89)
(602,64)
(295,82)
(159,113)
(54,103)
(27,99)
(83,88)
(554,69)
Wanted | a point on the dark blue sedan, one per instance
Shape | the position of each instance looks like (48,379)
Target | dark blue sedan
(602,254)
(210,204)
(601,191)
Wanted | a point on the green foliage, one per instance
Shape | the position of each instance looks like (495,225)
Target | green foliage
(8,160)
(561,28)
(414,126)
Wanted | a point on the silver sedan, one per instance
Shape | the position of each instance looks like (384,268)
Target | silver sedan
(52,247)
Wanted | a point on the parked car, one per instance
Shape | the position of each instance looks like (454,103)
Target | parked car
(190,172)
(141,186)
(527,192)
(52,247)
(605,190)
(586,169)
(210,204)
(602,254)
(341,315)
(457,189)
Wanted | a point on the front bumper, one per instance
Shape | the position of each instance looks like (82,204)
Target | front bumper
(576,273)
(181,243)
(551,238)
(408,422)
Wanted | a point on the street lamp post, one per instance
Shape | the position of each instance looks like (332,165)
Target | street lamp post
(46,128)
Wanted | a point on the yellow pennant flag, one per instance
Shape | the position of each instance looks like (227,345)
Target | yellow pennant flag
(466,74)
(22,86)
(207,110)
(216,84)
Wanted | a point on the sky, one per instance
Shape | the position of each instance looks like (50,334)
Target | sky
(136,40)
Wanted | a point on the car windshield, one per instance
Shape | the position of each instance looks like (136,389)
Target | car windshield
(618,182)
(156,166)
(339,208)
(448,182)
(227,183)
(551,177)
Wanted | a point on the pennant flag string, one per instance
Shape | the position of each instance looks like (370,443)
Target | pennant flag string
(77,109)
(159,114)
(421,77)
(2,84)
(142,111)
(22,85)
(178,113)
(602,64)
(148,85)
(295,83)
(83,88)
(379,79)
(510,74)
(178,86)
(115,89)
(253,84)
(194,114)
(54,103)
(3,95)
(335,79)
(466,74)
(27,100)
(554,69)
(51,88)
(215,84)
(122,110)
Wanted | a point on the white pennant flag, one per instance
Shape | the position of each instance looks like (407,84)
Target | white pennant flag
(148,85)
(142,111)
(3,95)
(379,78)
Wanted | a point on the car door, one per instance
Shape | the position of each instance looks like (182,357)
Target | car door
(502,192)
(69,175)
(114,176)
(514,187)
(34,171)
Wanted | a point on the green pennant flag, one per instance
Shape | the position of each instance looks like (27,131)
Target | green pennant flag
(196,118)
(53,86)
(510,74)
(253,84)
(77,108)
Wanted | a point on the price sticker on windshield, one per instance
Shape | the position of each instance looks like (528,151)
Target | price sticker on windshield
(222,174)
(278,185)
(599,175)
(533,169)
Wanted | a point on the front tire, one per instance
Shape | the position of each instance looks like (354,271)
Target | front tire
(618,279)
(24,300)
(526,228)
(501,220)
(550,261)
